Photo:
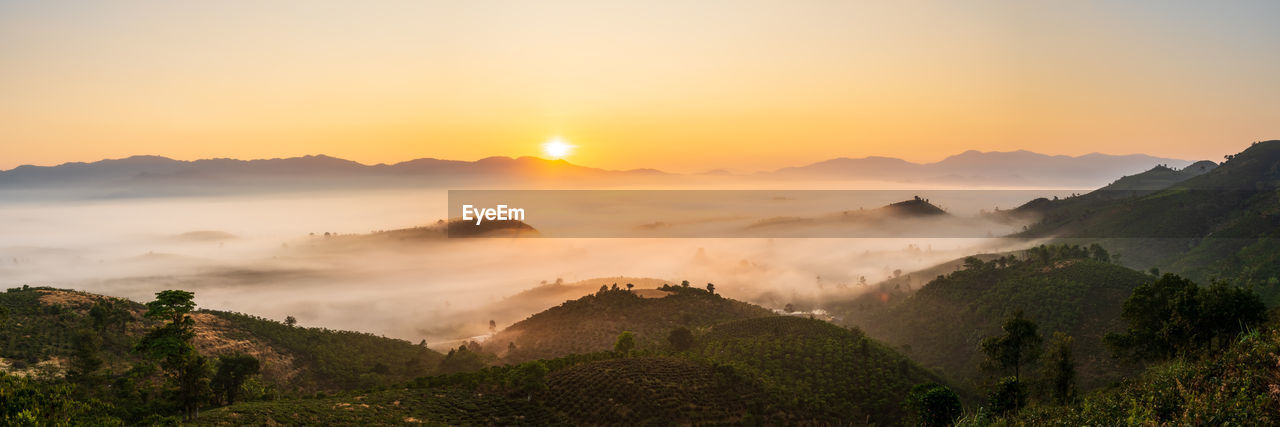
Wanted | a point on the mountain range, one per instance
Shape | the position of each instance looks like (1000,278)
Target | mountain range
(986,168)
(159,176)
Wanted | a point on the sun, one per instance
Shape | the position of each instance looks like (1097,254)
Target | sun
(557,148)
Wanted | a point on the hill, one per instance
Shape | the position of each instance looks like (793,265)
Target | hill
(836,371)
(1157,178)
(775,370)
(914,207)
(741,365)
(42,326)
(593,322)
(1219,224)
(594,389)
(1061,288)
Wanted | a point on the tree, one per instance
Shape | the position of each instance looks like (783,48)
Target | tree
(171,344)
(528,378)
(290,321)
(1019,345)
(192,379)
(934,405)
(629,286)
(1008,396)
(1226,312)
(1161,317)
(85,359)
(680,338)
(626,342)
(711,288)
(684,283)
(171,306)
(1098,253)
(1060,372)
(107,314)
(461,360)
(232,372)
(1173,316)
(493,326)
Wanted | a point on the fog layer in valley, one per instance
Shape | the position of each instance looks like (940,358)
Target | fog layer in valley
(268,255)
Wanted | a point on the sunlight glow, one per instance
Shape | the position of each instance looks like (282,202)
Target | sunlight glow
(557,148)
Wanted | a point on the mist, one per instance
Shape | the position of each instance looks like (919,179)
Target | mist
(269,255)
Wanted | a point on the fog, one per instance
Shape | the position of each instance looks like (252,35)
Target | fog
(268,255)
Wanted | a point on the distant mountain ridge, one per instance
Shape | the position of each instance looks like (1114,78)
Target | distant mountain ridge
(991,167)
(146,175)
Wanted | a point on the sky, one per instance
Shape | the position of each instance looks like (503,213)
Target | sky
(675,85)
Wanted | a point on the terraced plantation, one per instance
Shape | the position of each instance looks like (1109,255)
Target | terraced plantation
(592,323)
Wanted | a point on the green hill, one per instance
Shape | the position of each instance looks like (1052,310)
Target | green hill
(774,370)
(592,323)
(834,371)
(594,389)
(1061,288)
(43,324)
(1219,224)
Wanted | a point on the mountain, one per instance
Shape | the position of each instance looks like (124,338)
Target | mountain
(1223,223)
(155,176)
(146,176)
(1062,288)
(1015,168)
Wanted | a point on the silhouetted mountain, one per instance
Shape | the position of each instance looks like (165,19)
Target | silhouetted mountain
(986,168)
(141,176)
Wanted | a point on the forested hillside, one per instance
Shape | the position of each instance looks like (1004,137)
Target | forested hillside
(774,370)
(815,364)
(1219,224)
(85,344)
(1070,289)
(593,322)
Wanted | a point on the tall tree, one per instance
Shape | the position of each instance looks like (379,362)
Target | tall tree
(1060,371)
(232,372)
(170,343)
(85,359)
(1020,344)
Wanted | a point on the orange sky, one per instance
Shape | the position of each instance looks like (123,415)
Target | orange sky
(744,85)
